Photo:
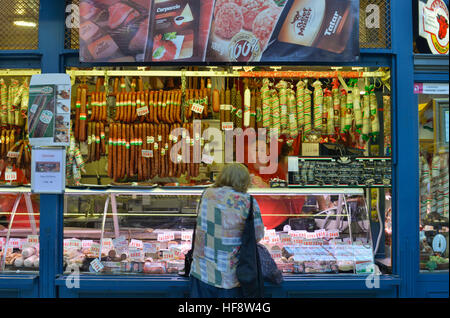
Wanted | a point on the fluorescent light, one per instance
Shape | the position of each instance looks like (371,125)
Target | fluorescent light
(25,24)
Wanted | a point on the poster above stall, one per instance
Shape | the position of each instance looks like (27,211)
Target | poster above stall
(238,31)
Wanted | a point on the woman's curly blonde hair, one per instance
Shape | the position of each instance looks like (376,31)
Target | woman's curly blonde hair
(234,175)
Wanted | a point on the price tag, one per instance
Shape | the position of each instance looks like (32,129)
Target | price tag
(86,243)
(275,239)
(33,239)
(297,240)
(72,243)
(150,139)
(320,233)
(10,175)
(107,243)
(197,108)
(207,159)
(186,235)
(310,149)
(149,248)
(136,255)
(285,238)
(14,243)
(96,265)
(270,232)
(332,234)
(147,153)
(167,255)
(166,236)
(95,248)
(137,244)
(176,251)
(13,154)
(227,126)
(275,253)
(142,111)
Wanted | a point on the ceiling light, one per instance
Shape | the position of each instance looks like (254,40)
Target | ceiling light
(25,24)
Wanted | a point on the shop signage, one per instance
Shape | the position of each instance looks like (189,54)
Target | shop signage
(219,31)
(48,170)
(431,88)
(49,110)
(433,25)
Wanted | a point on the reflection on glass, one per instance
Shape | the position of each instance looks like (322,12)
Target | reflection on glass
(434,186)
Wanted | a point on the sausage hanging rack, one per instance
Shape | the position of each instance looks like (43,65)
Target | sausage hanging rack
(356,72)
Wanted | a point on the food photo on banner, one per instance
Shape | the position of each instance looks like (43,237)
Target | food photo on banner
(219,30)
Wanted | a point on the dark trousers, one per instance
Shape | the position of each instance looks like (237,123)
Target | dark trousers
(200,289)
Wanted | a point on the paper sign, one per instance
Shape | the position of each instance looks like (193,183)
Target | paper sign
(86,243)
(48,170)
(72,243)
(107,243)
(149,248)
(13,154)
(14,243)
(285,238)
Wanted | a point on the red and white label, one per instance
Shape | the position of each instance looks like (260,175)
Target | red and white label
(227,125)
(13,154)
(96,265)
(197,108)
(136,254)
(33,239)
(146,153)
(142,111)
(167,255)
(95,248)
(137,244)
(186,236)
(10,175)
(166,236)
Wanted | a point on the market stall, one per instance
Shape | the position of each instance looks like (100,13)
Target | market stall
(150,123)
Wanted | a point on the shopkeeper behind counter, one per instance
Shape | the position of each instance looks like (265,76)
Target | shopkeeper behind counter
(276,210)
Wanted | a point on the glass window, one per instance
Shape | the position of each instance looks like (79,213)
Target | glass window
(19,225)
(433,170)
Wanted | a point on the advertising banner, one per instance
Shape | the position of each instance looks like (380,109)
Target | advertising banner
(238,31)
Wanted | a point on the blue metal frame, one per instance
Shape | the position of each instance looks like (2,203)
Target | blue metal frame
(405,280)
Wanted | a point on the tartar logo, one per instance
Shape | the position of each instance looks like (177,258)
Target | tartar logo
(300,20)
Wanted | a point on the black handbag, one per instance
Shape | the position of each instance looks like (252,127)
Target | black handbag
(248,271)
(269,268)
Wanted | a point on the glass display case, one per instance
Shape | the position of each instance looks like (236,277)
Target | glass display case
(19,230)
(148,231)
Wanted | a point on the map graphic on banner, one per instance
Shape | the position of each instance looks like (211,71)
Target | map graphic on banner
(219,30)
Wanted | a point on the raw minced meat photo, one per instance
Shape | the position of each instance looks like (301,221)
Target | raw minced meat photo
(229,20)
(264,24)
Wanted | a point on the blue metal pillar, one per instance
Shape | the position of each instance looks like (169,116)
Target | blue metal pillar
(51,44)
(405,151)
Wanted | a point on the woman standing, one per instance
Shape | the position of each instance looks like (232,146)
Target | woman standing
(220,223)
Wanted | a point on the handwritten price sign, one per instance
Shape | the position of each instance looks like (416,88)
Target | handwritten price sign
(166,236)
(197,108)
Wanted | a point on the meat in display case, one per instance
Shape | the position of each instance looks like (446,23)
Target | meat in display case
(135,232)
(19,230)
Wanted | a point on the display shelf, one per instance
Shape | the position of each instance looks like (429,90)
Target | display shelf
(18,72)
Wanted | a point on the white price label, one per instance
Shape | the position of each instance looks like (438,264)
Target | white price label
(207,159)
(136,254)
(167,255)
(96,265)
(285,238)
(33,239)
(275,254)
(72,243)
(227,126)
(86,243)
(197,108)
(14,243)
(137,244)
(166,236)
(186,235)
(10,175)
(13,154)
(142,111)
(107,243)
(147,153)
(95,248)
